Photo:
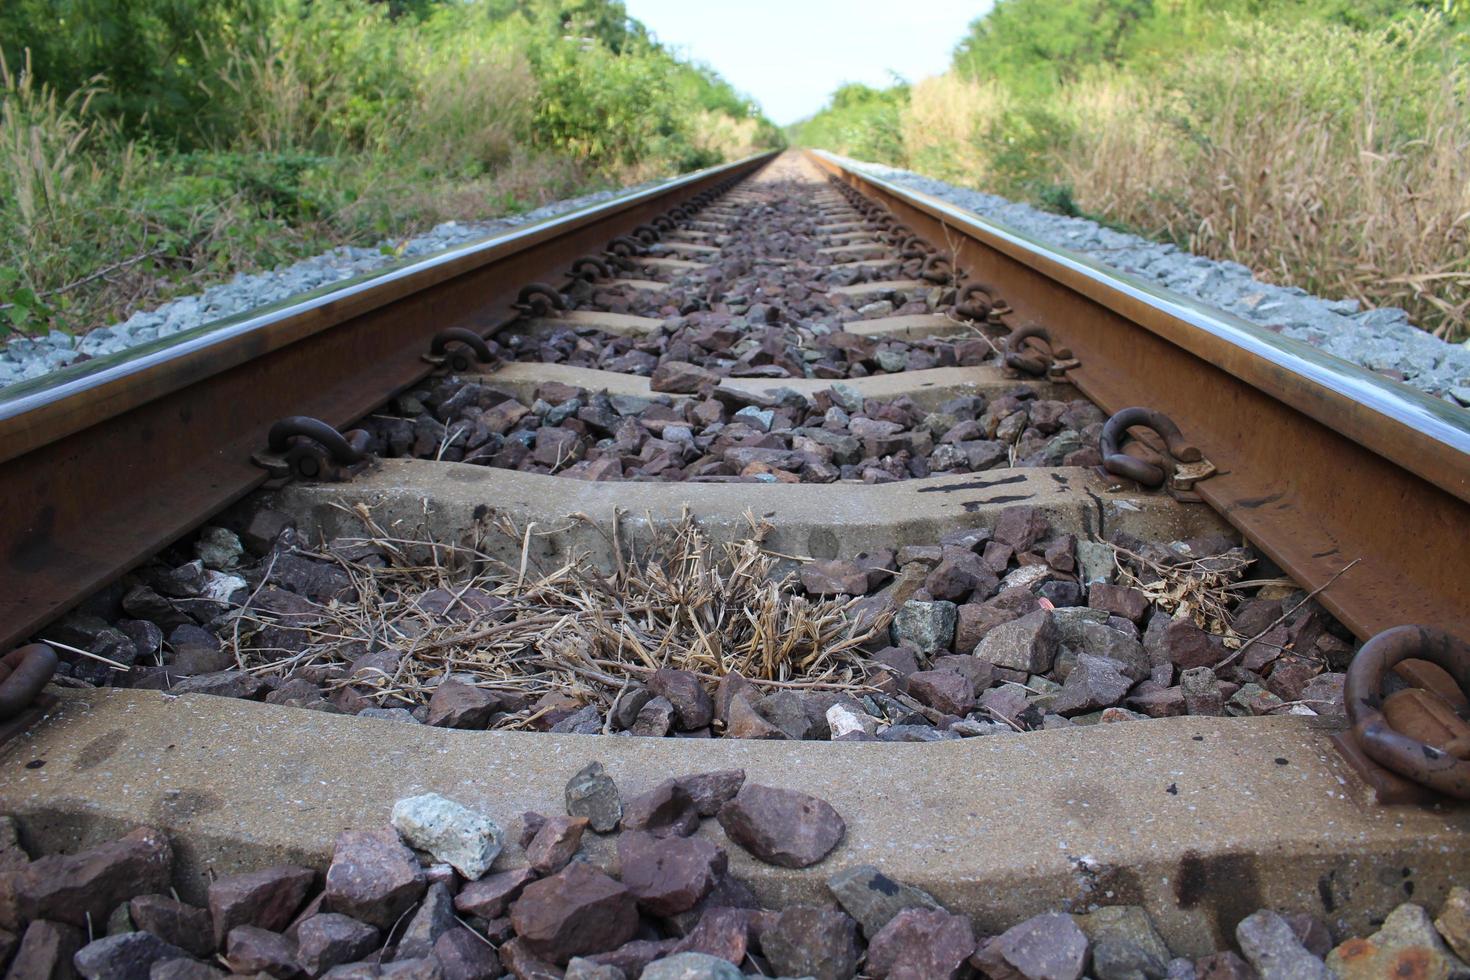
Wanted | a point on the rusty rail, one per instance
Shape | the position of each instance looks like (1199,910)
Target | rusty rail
(1319,462)
(104,463)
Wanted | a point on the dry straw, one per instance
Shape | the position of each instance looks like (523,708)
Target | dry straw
(679,600)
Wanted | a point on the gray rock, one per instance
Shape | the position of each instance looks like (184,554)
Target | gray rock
(812,942)
(873,898)
(591,793)
(1128,926)
(690,966)
(402,715)
(435,917)
(928,627)
(329,939)
(1044,947)
(129,956)
(450,831)
(1406,938)
(1028,644)
(579,968)
(1095,559)
(1272,947)
(1092,684)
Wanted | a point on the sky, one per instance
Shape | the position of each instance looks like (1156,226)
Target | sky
(789,55)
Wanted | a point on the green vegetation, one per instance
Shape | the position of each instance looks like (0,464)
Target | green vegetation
(1324,143)
(149,145)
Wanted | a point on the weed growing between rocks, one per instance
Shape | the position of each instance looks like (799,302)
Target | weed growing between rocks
(425,622)
(989,631)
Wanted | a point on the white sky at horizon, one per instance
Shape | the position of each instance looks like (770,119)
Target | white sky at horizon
(789,55)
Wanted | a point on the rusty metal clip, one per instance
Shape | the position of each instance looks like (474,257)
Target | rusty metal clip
(24,671)
(459,359)
(590,268)
(1032,359)
(539,299)
(1443,768)
(309,449)
(647,234)
(976,300)
(938,270)
(664,223)
(1117,462)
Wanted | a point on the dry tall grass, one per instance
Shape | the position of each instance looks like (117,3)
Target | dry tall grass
(1318,156)
(944,124)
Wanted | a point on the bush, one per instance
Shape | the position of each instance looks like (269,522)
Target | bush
(1324,143)
(155,142)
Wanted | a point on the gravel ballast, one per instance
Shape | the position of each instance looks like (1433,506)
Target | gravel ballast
(1382,340)
(31,357)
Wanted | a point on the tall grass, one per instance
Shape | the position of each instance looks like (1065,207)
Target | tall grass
(1323,157)
(347,124)
(1315,154)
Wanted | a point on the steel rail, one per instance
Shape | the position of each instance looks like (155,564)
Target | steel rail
(1320,462)
(103,464)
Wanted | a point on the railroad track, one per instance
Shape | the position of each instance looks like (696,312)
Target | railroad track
(525,395)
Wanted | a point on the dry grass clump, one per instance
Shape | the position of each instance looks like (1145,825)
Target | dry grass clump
(681,601)
(1199,589)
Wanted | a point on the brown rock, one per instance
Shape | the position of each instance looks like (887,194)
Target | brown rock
(667,810)
(654,718)
(782,826)
(250,950)
(973,621)
(456,704)
(958,574)
(575,912)
(462,955)
(722,932)
(712,790)
(812,942)
(632,958)
(1021,527)
(693,707)
(517,959)
(329,938)
(491,895)
(185,926)
(980,673)
(1223,966)
(743,721)
(555,843)
(1120,600)
(46,951)
(921,944)
(76,888)
(184,968)
(732,684)
(668,875)
(1290,675)
(265,899)
(834,577)
(943,690)
(373,877)
(1186,645)
(1165,703)
(681,378)
(124,956)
